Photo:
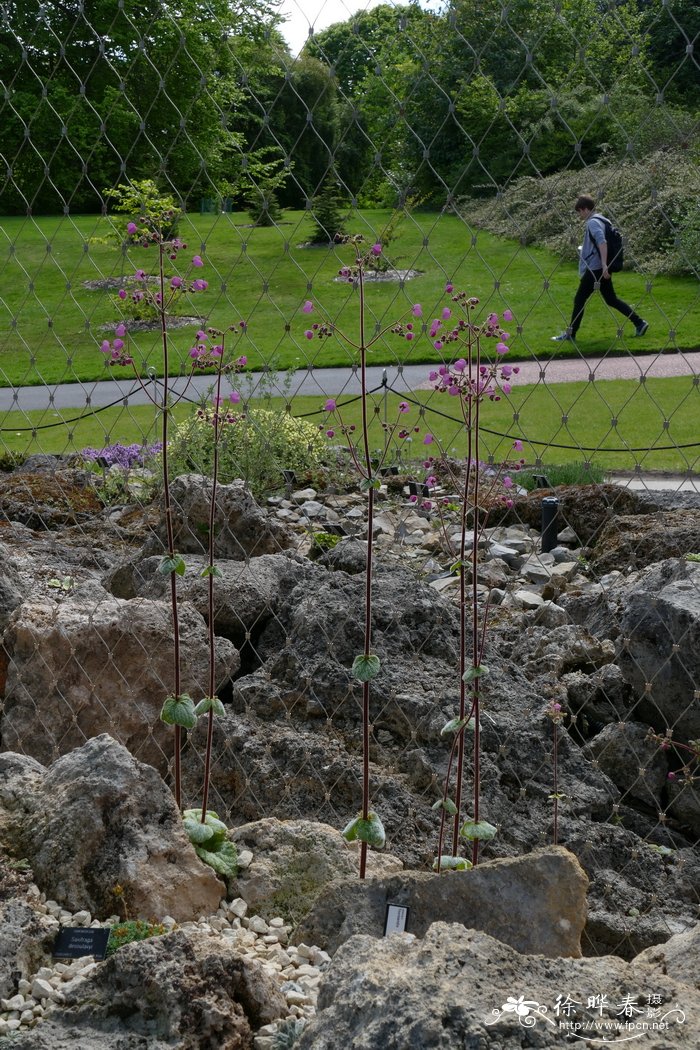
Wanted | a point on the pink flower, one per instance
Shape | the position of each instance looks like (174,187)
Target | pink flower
(409,336)
(506,388)
(501,348)
(460,365)
(417,310)
(412,499)
(492,318)
(140,275)
(199,285)
(120,330)
(176,282)
(197,260)
(427,504)
(446,313)
(437,344)
(131,228)
(507,315)
(106,346)
(404,407)
(309,334)
(242,361)
(432,377)
(428,439)
(118,344)
(329,405)
(330,433)
(507,482)
(671,776)
(122,293)
(234,397)
(201,335)
(307,307)
(434,326)
(376,249)
(449,287)
(518,445)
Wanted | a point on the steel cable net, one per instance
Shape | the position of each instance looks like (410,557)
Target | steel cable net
(459,141)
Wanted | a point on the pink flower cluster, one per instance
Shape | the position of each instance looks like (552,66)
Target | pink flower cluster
(116,349)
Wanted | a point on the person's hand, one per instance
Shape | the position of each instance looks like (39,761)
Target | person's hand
(606,274)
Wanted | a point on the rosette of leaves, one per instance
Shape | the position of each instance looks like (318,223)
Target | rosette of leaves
(369,830)
(211,842)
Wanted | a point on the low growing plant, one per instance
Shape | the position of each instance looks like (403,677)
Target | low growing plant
(132,930)
(211,843)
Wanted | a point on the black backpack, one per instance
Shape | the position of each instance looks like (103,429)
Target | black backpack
(613,239)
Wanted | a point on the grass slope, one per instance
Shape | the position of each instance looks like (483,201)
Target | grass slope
(51,326)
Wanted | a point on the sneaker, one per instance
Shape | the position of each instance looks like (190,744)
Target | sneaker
(641,328)
(565,337)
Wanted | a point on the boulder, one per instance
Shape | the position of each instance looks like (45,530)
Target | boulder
(634,541)
(462,988)
(293,860)
(25,944)
(634,763)
(659,647)
(90,662)
(241,528)
(535,903)
(585,509)
(180,990)
(48,499)
(98,819)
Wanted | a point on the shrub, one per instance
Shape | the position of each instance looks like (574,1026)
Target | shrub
(654,203)
(256,448)
(329,213)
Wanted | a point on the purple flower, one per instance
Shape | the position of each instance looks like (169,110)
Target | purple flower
(428,439)
(242,361)
(417,310)
(307,307)
(122,293)
(434,326)
(446,313)
(432,377)
(234,397)
(329,405)
(492,318)
(507,482)
(376,249)
(140,275)
(507,315)
(449,287)
(506,388)
(120,330)
(412,499)
(460,365)
(404,407)
(106,346)
(197,260)
(330,433)
(118,344)
(131,228)
(176,282)
(199,285)
(501,348)
(409,336)
(309,334)
(518,445)
(438,344)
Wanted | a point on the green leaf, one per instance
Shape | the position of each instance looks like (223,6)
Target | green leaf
(197,832)
(370,831)
(447,804)
(365,668)
(456,566)
(224,860)
(210,570)
(481,831)
(210,703)
(179,711)
(446,863)
(370,483)
(455,724)
(175,564)
(472,673)
(692,557)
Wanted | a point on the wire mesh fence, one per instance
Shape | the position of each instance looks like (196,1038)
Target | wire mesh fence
(459,141)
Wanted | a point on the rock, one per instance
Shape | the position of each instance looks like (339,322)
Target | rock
(179,990)
(636,765)
(47,499)
(584,510)
(73,663)
(350,555)
(601,697)
(461,988)
(660,610)
(24,944)
(545,912)
(97,819)
(293,860)
(678,957)
(634,541)
(241,528)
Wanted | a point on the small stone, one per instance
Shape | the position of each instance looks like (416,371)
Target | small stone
(23,987)
(41,989)
(238,907)
(12,1024)
(245,859)
(276,923)
(15,1003)
(168,921)
(26,1016)
(82,918)
(302,495)
(257,924)
(44,972)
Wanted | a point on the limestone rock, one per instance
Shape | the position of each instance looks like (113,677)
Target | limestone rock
(90,661)
(536,903)
(242,529)
(24,944)
(634,541)
(97,819)
(293,860)
(659,610)
(461,988)
(178,990)
(634,763)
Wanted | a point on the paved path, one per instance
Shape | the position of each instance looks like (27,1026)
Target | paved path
(325,382)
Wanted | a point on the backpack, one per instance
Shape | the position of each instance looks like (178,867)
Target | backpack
(613,239)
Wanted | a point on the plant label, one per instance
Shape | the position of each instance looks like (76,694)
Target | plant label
(396,919)
(73,942)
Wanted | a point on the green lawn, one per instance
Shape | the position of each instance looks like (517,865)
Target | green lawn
(557,424)
(51,325)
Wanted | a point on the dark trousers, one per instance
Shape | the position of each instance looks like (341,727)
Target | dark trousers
(591,280)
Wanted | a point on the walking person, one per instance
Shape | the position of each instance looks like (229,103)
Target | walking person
(594,273)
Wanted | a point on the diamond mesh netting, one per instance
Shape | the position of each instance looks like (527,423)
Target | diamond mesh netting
(459,140)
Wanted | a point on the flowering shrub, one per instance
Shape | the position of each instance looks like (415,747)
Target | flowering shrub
(124,456)
(256,447)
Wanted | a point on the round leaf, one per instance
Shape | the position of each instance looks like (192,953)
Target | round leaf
(472,673)
(197,832)
(481,831)
(447,804)
(365,668)
(447,863)
(224,860)
(209,703)
(455,724)
(370,831)
(179,711)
